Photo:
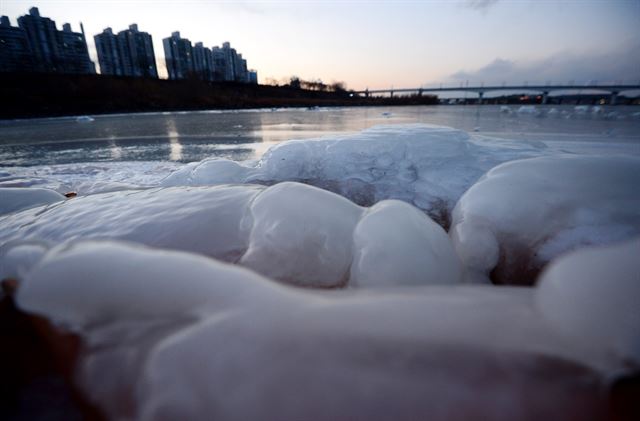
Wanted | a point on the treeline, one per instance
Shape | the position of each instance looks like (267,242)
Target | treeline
(41,95)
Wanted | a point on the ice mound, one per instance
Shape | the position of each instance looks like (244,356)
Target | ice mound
(13,199)
(396,243)
(200,220)
(528,109)
(84,284)
(18,257)
(427,166)
(295,233)
(171,335)
(522,214)
(302,234)
(591,296)
(207,172)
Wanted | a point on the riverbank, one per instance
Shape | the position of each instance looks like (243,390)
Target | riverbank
(28,95)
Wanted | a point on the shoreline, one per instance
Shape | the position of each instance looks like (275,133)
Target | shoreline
(41,95)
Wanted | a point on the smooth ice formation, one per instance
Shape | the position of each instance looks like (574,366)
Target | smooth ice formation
(200,220)
(427,166)
(171,335)
(13,199)
(87,283)
(208,172)
(302,234)
(291,232)
(18,257)
(395,243)
(591,296)
(522,214)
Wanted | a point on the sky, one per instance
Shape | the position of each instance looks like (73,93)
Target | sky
(380,44)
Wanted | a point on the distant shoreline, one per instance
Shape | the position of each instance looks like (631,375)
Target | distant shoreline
(41,95)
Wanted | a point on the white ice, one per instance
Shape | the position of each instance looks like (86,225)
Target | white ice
(591,296)
(291,232)
(427,166)
(522,214)
(171,335)
(16,199)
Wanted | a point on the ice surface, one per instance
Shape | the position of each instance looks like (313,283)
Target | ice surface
(528,109)
(83,284)
(396,244)
(302,234)
(427,166)
(18,257)
(200,220)
(207,172)
(523,213)
(15,199)
(178,336)
(88,178)
(591,295)
(291,232)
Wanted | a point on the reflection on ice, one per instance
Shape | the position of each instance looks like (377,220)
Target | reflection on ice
(175,153)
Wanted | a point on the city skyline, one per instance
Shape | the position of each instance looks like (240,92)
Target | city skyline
(381,44)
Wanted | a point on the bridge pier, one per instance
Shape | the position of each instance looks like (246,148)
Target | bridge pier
(545,97)
(480,97)
(391,94)
(420,92)
(614,98)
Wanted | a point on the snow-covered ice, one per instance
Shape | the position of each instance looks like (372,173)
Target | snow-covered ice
(291,232)
(395,243)
(524,213)
(591,296)
(180,283)
(427,166)
(16,199)
(180,336)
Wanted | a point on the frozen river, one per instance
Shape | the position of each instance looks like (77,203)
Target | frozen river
(241,135)
(176,262)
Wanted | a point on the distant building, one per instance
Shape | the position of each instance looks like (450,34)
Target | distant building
(229,65)
(219,64)
(15,53)
(129,53)
(231,59)
(74,51)
(108,53)
(179,56)
(52,50)
(253,77)
(202,62)
(136,52)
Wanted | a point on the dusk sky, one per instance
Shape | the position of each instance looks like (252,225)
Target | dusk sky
(379,44)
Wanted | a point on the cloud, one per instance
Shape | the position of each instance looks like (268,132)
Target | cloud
(616,66)
(480,5)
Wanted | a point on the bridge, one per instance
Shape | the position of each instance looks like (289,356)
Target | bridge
(614,90)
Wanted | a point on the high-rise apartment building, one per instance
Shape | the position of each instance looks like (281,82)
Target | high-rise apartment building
(15,54)
(202,62)
(235,66)
(52,50)
(178,54)
(137,49)
(108,53)
(129,53)
(74,52)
